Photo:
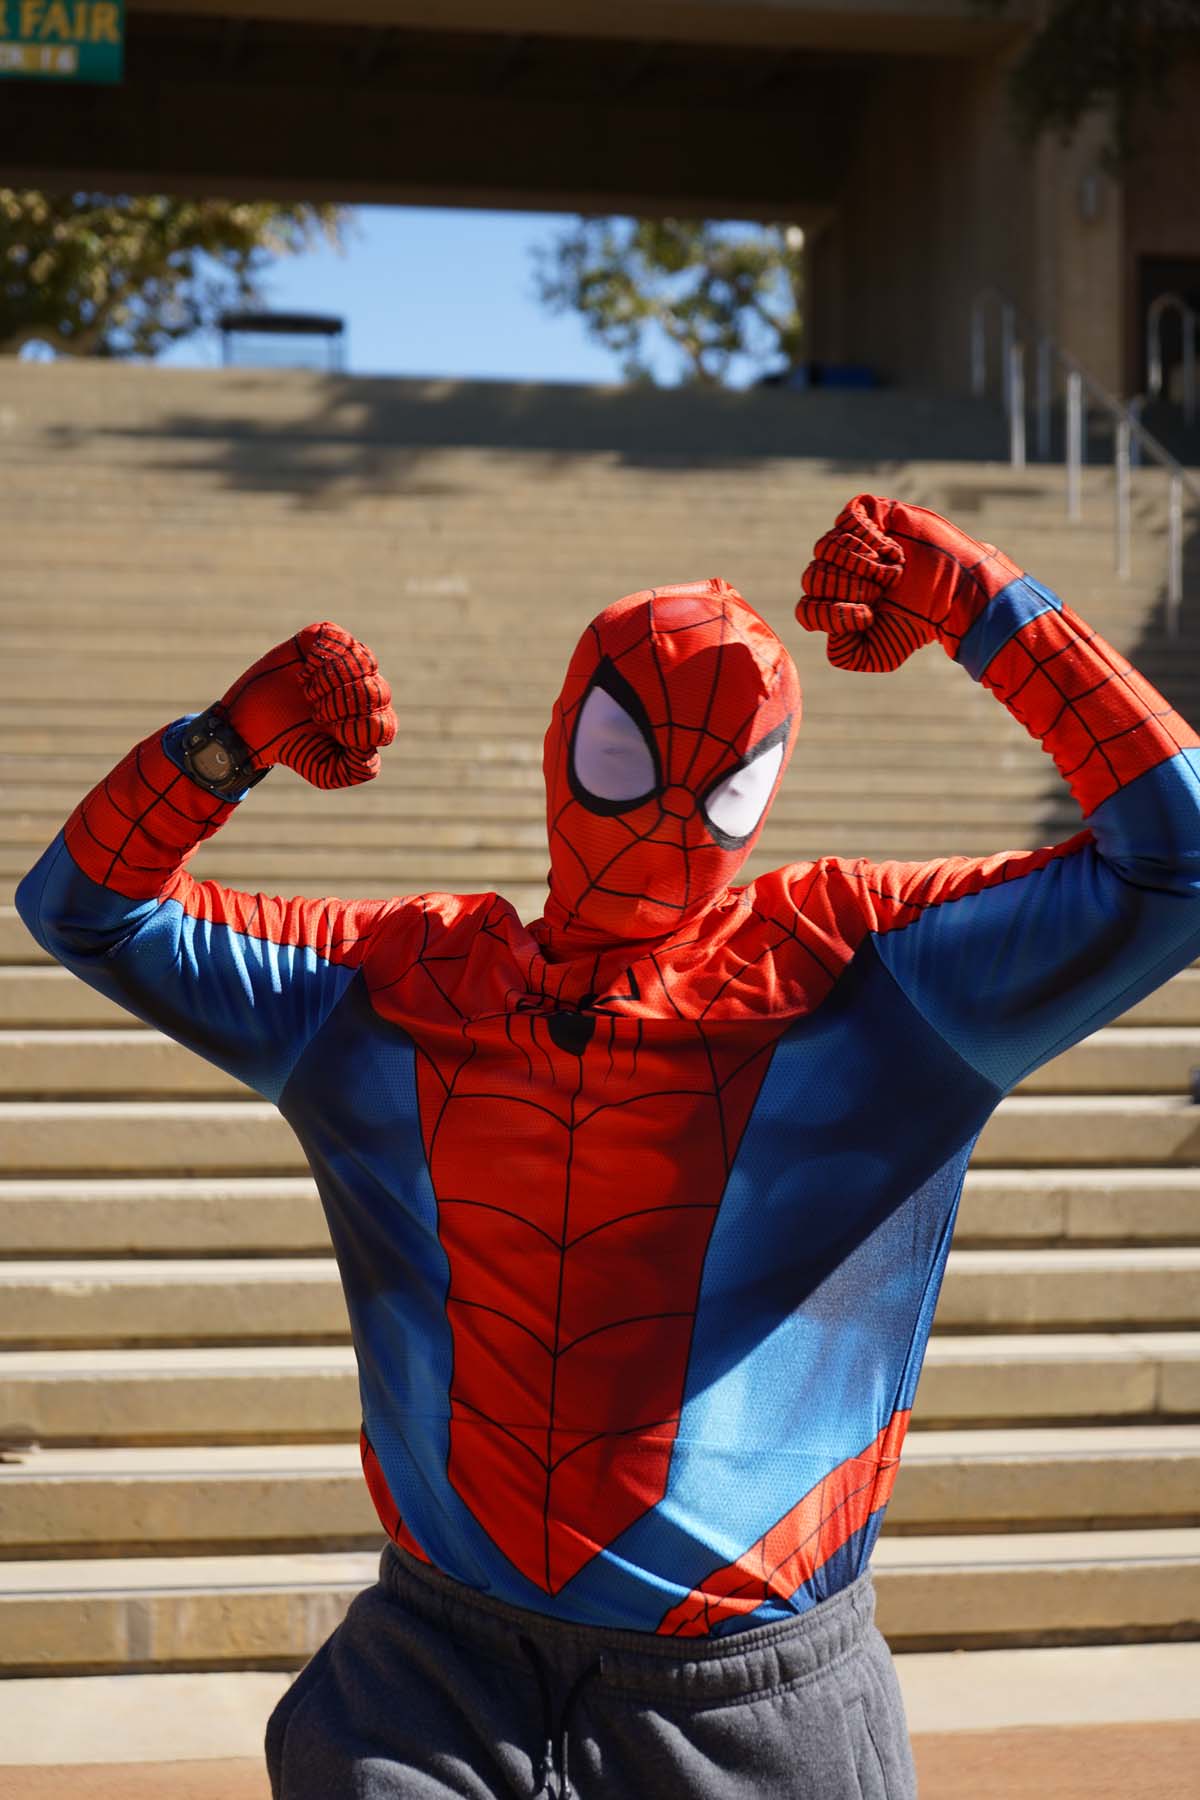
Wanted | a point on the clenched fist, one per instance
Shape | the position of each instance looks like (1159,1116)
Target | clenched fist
(318,703)
(890,577)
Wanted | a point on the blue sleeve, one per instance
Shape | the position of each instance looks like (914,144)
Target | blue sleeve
(244,980)
(1014,973)
(1016,958)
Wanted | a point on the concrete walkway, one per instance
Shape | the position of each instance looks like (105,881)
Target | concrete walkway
(1103,1762)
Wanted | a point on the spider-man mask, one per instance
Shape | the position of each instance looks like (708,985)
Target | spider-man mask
(665,750)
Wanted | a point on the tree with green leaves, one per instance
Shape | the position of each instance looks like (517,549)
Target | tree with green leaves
(1107,55)
(712,290)
(98,275)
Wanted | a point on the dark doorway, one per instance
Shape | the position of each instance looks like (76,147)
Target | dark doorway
(1165,275)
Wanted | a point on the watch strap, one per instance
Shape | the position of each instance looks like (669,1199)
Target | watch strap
(216,756)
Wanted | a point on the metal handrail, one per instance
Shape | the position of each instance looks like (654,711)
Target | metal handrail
(1131,440)
(1189,321)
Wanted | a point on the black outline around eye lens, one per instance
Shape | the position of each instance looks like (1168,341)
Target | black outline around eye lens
(778,735)
(609,678)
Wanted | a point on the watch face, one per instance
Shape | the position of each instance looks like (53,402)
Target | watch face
(213,762)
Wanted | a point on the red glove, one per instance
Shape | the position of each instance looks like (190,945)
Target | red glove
(890,577)
(318,703)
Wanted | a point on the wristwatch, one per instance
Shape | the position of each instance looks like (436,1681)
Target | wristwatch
(217,757)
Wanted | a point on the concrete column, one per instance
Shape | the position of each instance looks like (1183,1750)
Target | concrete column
(1077,290)
(936,202)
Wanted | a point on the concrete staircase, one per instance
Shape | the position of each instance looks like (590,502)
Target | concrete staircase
(177,1395)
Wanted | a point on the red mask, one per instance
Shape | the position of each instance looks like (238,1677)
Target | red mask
(665,750)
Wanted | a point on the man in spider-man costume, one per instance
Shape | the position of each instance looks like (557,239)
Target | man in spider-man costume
(641,1211)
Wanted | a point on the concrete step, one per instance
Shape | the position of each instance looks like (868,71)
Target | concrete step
(493,580)
(233,1137)
(1036,1130)
(222,1301)
(422,869)
(527,897)
(494,852)
(273,1610)
(34,729)
(146,1612)
(491,761)
(309,1393)
(283,845)
(54,782)
(690,511)
(297,1299)
(31,810)
(296,1393)
(491,612)
(455,819)
(176,1137)
(1071,1206)
(1038,1588)
(231,1215)
(663,519)
(985,739)
(124,1063)
(971,1381)
(394,471)
(150,1731)
(456,553)
(1086,1477)
(1023,1290)
(1128,1059)
(676,516)
(136,1502)
(43,994)
(238,1215)
(134,1063)
(148,1502)
(1088,1686)
(1177,1002)
(47,477)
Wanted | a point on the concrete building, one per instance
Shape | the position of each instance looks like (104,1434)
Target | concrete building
(882,126)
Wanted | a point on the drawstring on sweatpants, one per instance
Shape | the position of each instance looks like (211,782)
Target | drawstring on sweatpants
(556,1742)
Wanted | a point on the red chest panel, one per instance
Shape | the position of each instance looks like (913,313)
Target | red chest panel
(576,1193)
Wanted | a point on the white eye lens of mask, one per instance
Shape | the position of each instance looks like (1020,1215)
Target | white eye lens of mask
(735,805)
(612,760)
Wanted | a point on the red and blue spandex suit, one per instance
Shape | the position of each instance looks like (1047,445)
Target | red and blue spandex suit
(642,1211)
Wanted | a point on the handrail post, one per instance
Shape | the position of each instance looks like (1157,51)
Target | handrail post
(1154,367)
(1122,497)
(1074,444)
(1015,385)
(1174,554)
(1132,443)
(1043,398)
(1136,407)
(978,350)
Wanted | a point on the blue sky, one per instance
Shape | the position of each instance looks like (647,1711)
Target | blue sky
(435,291)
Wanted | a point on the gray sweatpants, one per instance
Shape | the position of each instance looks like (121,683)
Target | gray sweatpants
(428,1690)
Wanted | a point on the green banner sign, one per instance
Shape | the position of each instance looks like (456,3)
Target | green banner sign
(64,40)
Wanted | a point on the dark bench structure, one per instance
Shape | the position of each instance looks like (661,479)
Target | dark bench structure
(282,325)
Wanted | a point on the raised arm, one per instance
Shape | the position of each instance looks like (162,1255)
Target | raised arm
(243,979)
(1014,957)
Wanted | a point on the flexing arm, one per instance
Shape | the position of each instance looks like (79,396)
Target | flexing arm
(243,979)
(1015,957)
